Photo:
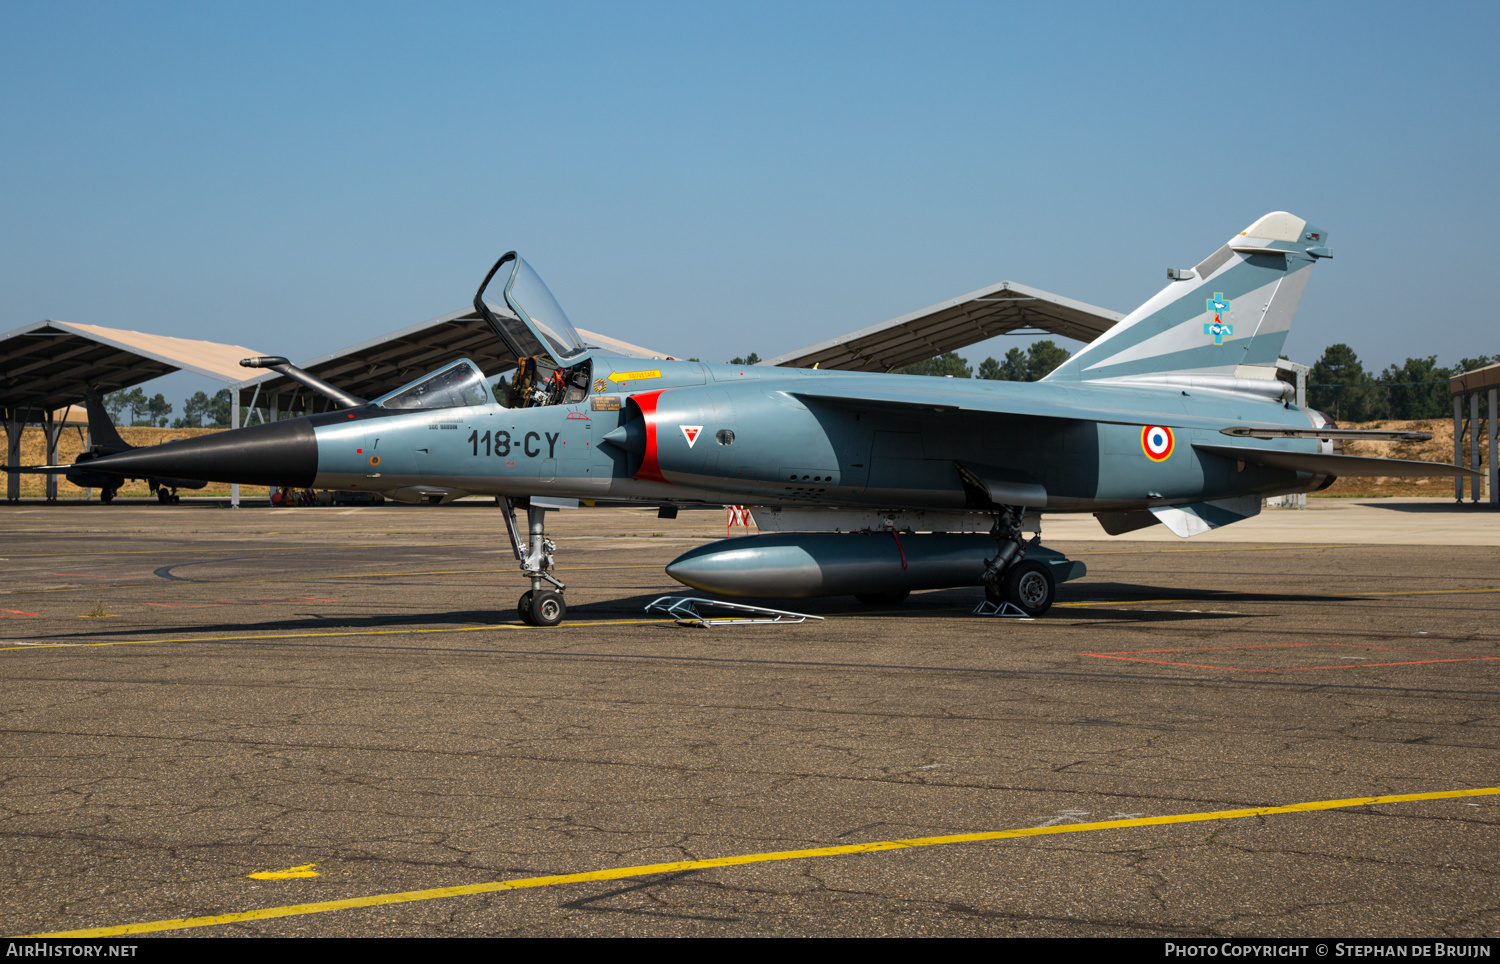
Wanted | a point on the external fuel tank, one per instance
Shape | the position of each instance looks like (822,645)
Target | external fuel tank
(802,565)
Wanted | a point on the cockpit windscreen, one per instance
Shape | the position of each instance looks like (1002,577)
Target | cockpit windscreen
(456,386)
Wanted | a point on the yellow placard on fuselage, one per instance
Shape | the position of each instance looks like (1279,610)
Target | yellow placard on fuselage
(634,376)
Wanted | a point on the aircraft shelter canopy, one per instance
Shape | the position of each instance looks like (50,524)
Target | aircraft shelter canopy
(45,365)
(951,325)
(1477,380)
(1474,385)
(381,365)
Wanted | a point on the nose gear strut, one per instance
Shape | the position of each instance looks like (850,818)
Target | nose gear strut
(537,606)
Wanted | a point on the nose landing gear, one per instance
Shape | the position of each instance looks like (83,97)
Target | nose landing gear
(538,606)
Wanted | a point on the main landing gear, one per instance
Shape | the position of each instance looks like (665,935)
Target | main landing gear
(1010,577)
(538,606)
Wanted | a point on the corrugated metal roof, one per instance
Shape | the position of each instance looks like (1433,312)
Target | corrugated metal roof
(47,364)
(1477,380)
(951,325)
(372,368)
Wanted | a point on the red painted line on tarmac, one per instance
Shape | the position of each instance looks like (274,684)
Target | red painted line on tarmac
(16,612)
(1291,669)
(1138,656)
(1210,649)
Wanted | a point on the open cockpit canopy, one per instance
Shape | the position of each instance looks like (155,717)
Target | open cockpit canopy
(540,326)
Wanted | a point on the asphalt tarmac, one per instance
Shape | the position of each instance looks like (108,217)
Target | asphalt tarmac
(344,699)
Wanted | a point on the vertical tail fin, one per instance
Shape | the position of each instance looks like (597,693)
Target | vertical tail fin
(1227,317)
(102,432)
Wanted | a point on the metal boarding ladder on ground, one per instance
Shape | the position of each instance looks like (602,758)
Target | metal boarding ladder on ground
(681,608)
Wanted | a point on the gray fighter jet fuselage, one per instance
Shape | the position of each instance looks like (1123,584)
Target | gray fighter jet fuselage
(1174,416)
(686,431)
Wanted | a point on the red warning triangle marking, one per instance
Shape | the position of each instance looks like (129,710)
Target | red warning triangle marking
(690,432)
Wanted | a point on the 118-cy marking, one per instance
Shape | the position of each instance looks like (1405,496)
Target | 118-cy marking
(502,443)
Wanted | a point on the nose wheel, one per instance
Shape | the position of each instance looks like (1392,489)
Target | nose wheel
(541,609)
(546,608)
(538,606)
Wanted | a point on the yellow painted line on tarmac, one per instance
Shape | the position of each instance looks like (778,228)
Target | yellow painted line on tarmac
(306,870)
(1333,596)
(1274,548)
(169,552)
(1132,602)
(1418,592)
(354,632)
(622,873)
(134,585)
(644,622)
(318,577)
(460,572)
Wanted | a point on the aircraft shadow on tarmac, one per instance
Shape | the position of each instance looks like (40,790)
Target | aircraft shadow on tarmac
(956,603)
(951,603)
(587,904)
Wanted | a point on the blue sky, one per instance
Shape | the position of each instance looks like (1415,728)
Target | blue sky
(713,179)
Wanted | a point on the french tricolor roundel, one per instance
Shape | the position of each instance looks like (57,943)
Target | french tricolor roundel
(691,432)
(1156,442)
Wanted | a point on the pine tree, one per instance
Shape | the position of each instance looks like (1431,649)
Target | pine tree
(946,364)
(1330,384)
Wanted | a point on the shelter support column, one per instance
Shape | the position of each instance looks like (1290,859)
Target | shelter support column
(1475,481)
(234,422)
(15,424)
(51,430)
(1494,462)
(1458,445)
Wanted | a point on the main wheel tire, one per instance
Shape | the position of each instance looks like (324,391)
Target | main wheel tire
(106,496)
(893,598)
(523,607)
(163,496)
(548,609)
(1029,587)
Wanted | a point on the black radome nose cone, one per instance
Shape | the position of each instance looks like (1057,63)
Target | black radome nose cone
(276,453)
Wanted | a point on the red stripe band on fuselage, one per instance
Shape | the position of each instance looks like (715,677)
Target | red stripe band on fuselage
(650,469)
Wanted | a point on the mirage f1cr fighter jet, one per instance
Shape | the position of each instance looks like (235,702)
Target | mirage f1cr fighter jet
(878,484)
